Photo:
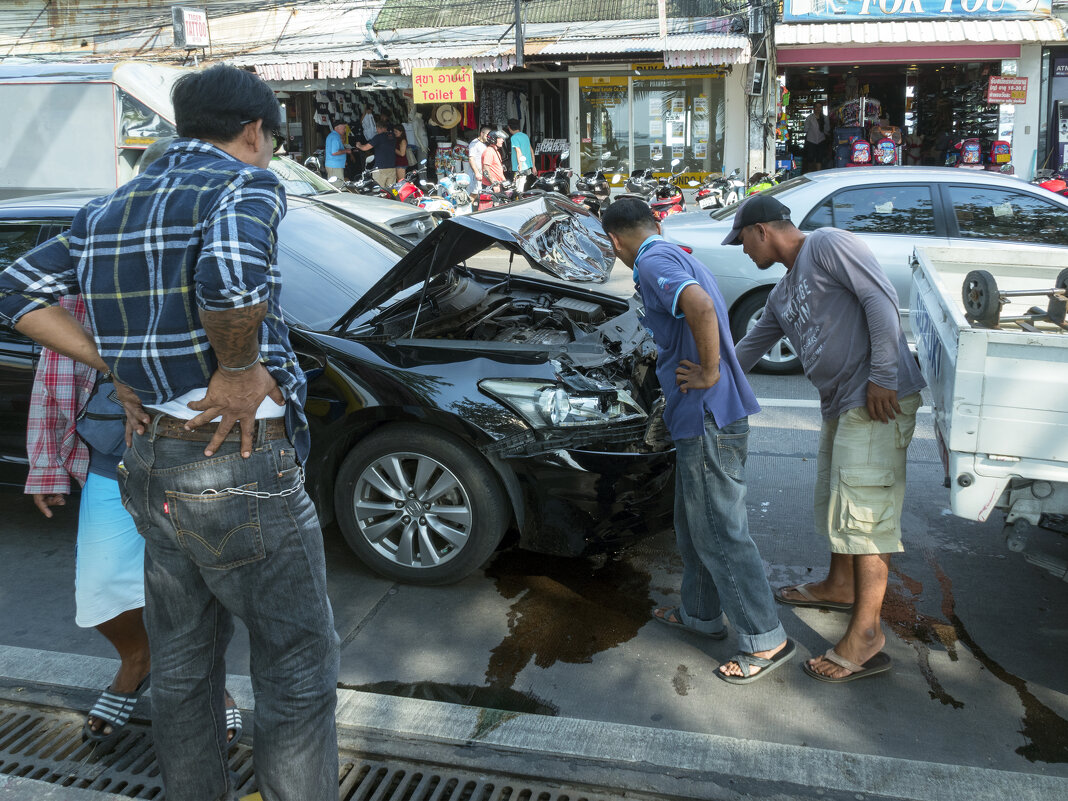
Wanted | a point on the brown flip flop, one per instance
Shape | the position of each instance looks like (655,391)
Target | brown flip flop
(810,600)
(880,663)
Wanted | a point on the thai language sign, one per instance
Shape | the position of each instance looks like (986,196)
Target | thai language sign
(888,10)
(443,85)
(1006,90)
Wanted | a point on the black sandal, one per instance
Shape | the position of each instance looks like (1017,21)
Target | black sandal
(114,710)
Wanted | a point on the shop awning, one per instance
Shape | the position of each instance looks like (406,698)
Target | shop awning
(943,41)
(915,32)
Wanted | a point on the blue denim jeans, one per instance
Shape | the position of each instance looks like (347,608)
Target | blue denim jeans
(207,558)
(722,568)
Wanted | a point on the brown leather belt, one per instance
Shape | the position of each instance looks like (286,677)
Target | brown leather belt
(174,428)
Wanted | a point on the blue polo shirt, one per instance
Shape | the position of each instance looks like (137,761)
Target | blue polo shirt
(333,144)
(662,271)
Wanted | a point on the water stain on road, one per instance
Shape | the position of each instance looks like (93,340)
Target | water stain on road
(564,610)
(1045,730)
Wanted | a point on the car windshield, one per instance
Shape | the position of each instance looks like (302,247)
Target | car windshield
(299,180)
(728,211)
(328,260)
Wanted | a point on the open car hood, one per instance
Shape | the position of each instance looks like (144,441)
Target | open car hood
(555,236)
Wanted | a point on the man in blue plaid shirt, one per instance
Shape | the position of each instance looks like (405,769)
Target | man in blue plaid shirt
(177,269)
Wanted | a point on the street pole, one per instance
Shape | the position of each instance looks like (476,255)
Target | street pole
(518,34)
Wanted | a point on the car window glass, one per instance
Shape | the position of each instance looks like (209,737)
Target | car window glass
(819,217)
(299,180)
(17,239)
(885,209)
(327,261)
(987,213)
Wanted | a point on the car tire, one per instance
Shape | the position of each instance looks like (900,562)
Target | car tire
(413,543)
(781,358)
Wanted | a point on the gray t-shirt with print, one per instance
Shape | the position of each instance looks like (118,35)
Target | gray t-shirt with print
(840,313)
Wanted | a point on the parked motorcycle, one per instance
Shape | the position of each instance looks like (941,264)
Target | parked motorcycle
(759,181)
(641,184)
(454,188)
(1055,181)
(559,180)
(593,191)
(667,196)
(720,190)
(497,194)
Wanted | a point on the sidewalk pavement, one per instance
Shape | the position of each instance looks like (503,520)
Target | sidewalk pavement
(622,759)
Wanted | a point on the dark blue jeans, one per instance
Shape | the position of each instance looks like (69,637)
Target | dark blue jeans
(207,558)
(722,568)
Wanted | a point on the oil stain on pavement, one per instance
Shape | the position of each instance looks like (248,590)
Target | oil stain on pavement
(564,610)
(683,681)
(1045,730)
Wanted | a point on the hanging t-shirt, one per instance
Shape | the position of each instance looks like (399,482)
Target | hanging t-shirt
(524,158)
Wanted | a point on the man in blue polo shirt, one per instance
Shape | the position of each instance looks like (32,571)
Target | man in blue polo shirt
(707,404)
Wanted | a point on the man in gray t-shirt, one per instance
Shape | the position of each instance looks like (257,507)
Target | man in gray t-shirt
(840,313)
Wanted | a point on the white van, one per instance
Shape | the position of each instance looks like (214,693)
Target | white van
(79,126)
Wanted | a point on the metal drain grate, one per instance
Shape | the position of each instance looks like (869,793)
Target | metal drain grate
(45,744)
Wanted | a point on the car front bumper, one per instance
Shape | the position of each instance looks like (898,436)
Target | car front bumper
(587,501)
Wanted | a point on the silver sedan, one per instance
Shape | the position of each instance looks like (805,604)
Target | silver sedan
(892,209)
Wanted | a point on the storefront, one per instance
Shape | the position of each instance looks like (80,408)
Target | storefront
(926,83)
(1054,112)
(651,116)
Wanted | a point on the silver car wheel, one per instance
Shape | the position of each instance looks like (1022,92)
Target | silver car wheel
(782,352)
(412,510)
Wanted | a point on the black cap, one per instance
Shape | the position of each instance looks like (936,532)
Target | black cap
(757,209)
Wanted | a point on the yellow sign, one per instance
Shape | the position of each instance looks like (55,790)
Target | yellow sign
(443,85)
(602,81)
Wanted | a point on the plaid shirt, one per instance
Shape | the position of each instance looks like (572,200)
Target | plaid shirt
(61,388)
(197,230)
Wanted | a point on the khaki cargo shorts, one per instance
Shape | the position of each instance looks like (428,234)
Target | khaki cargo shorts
(860,479)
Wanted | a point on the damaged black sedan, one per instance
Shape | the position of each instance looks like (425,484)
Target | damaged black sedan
(450,405)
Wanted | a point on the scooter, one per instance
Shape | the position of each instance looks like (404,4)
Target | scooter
(721,190)
(667,196)
(559,180)
(453,188)
(759,181)
(410,189)
(593,190)
(641,184)
(1055,181)
(497,194)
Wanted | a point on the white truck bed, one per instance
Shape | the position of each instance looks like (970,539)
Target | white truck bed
(1000,396)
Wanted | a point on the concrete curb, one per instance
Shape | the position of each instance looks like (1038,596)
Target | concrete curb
(635,758)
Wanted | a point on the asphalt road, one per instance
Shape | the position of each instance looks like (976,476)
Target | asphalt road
(979,638)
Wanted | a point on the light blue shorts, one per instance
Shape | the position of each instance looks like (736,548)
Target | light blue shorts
(109,576)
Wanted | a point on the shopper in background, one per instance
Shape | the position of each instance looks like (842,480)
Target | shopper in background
(337,153)
(817,133)
(492,159)
(522,155)
(474,155)
(385,165)
(401,151)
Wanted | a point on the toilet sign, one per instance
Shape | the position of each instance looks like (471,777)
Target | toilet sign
(443,85)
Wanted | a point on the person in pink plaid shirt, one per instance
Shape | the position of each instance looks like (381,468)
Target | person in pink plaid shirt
(109,586)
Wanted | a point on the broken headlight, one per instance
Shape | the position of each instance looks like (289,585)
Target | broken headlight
(550,405)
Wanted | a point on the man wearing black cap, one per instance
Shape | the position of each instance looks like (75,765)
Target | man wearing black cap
(840,313)
(707,404)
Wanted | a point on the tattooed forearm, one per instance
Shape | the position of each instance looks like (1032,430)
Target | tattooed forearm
(235,334)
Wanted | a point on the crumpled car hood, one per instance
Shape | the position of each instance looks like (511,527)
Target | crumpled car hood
(555,236)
